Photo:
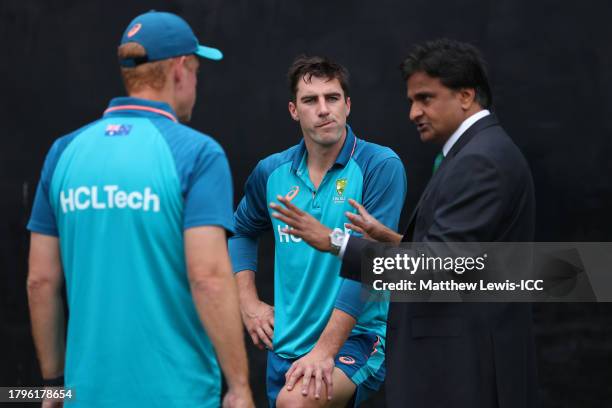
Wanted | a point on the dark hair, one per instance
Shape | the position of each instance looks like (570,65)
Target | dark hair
(457,65)
(319,67)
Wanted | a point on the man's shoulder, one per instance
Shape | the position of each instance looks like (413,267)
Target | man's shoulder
(183,135)
(61,143)
(369,155)
(492,148)
(272,162)
(494,143)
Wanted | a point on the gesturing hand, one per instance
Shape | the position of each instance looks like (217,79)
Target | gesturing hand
(315,365)
(370,227)
(303,225)
(258,318)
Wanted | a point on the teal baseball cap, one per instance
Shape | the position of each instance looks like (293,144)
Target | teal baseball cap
(164,35)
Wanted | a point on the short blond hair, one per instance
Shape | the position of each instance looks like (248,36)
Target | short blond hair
(151,74)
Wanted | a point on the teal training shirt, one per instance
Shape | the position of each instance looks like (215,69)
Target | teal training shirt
(119,193)
(307,283)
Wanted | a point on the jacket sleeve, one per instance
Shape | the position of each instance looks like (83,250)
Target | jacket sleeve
(250,220)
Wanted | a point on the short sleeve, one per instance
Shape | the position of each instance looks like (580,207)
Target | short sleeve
(251,219)
(42,219)
(209,195)
(385,191)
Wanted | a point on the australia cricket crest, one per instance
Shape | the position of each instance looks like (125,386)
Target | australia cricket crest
(340,187)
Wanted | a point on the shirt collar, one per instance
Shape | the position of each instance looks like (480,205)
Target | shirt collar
(347,151)
(462,128)
(138,106)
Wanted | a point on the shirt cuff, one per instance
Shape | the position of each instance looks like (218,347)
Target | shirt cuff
(343,246)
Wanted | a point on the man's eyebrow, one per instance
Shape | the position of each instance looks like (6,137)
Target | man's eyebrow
(327,95)
(421,95)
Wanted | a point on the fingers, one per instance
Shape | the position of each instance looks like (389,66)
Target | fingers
(294,373)
(283,218)
(282,210)
(294,232)
(328,376)
(318,383)
(287,203)
(355,218)
(355,228)
(262,335)
(268,330)
(306,380)
(255,339)
(357,206)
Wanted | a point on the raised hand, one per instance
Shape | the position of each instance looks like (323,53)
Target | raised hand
(364,223)
(303,225)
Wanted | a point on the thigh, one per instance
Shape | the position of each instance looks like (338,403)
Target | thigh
(275,376)
(362,359)
(343,390)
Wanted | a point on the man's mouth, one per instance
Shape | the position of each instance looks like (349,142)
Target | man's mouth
(421,126)
(329,122)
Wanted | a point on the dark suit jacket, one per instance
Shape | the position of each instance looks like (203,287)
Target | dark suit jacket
(464,354)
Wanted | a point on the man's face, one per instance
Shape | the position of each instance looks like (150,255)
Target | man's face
(321,109)
(186,89)
(435,109)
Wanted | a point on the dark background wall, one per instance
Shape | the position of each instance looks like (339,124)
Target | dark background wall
(550,64)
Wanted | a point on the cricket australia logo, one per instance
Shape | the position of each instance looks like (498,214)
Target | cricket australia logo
(340,187)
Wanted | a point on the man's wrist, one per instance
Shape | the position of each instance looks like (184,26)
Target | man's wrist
(335,241)
(344,245)
(57,381)
(324,351)
(239,385)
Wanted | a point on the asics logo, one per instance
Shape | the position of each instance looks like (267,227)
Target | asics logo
(292,193)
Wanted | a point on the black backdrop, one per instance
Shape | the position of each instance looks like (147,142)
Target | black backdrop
(550,64)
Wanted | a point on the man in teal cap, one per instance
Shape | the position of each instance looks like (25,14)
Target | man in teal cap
(132,212)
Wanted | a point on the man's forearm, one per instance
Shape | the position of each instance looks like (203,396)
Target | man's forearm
(247,291)
(216,299)
(336,332)
(48,327)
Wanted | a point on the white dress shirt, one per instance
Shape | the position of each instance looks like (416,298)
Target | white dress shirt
(461,130)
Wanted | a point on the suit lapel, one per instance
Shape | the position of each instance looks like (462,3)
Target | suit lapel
(478,126)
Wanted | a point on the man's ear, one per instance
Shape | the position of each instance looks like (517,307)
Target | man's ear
(348,106)
(293,111)
(177,70)
(467,97)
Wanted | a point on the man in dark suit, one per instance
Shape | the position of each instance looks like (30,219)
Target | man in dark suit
(451,354)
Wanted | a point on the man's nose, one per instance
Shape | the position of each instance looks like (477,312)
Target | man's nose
(323,108)
(415,112)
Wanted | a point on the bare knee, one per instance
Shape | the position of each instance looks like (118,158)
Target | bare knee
(295,399)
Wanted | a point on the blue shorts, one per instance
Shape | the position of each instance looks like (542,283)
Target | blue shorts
(361,358)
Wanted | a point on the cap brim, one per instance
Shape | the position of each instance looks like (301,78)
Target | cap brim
(209,52)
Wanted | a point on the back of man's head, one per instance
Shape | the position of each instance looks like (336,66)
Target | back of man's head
(148,44)
(147,75)
(456,64)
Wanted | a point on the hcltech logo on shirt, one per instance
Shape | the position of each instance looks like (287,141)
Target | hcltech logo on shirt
(108,197)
